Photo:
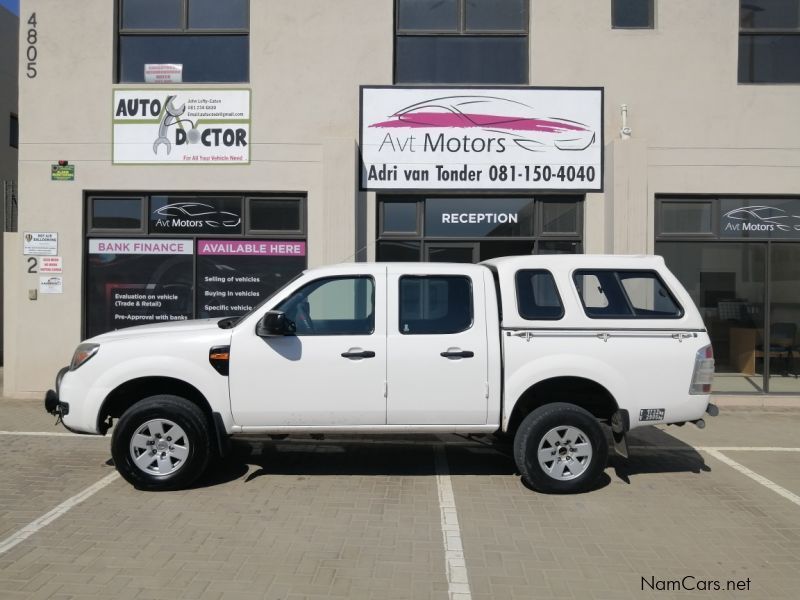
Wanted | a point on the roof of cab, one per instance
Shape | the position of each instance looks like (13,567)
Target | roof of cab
(577,261)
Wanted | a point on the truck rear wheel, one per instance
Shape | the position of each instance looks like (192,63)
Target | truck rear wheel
(560,448)
(161,443)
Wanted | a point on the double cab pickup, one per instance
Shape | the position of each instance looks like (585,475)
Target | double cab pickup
(546,351)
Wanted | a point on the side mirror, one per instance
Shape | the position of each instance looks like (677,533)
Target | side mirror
(273,324)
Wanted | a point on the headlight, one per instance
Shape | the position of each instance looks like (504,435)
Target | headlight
(83,353)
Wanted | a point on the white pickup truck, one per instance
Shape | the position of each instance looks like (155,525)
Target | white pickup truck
(539,348)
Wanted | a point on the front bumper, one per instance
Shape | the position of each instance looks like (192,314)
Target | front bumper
(52,403)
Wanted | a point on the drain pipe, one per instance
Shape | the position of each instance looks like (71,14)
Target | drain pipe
(625,131)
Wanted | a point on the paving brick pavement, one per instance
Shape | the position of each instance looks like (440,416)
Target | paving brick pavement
(665,514)
(292,522)
(336,519)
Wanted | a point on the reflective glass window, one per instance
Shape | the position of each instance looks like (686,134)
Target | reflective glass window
(537,295)
(435,305)
(275,214)
(632,14)
(116,213)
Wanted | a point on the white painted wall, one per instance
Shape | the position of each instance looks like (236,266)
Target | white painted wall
(695,130)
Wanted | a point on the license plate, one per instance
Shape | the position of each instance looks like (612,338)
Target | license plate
(651,414)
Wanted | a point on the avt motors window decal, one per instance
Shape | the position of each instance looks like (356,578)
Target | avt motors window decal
(776,218)
(181,126)
(480,138)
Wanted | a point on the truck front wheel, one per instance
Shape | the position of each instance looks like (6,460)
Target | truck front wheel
(560,448)
(161,443)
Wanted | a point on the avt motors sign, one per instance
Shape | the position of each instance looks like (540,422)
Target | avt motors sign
(481,138)
(189,126)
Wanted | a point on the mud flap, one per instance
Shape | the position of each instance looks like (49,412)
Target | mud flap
(620,424)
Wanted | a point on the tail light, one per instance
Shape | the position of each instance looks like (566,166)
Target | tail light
(703,371)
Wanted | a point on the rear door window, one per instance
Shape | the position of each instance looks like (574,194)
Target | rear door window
(537,295)
(435,304)
(612,294)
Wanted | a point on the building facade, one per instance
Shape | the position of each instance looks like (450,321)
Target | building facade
(183,158)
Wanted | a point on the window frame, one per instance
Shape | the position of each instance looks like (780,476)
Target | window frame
(462,31)
(184,30)
(555,286)
(652,25)
(144,205)
(246,220)
(323,281)
(632,316)
(760,32)
(430,276)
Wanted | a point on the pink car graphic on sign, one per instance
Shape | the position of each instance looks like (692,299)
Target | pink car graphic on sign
(497,115)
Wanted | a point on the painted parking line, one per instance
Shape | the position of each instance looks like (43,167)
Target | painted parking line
(52,434)
(767,483)
(455,565)
(47,518)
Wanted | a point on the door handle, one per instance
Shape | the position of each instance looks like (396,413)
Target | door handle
(358,354)
(457,354)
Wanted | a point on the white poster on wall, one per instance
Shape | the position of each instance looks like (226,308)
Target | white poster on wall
(189,126)
(51,285)
(163,73)
(40,243)
(481,138)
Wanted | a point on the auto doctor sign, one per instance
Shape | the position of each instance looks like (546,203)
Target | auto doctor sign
(188,126)
(481,138)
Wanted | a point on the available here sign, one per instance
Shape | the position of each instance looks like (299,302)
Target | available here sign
(480,138)
(188,126)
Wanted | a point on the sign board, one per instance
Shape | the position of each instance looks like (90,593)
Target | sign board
(51,285)
(233,276)
(140,246)
(62,172)
(415,138)
(163,73)
(250,248)
(186,126)
(40,243)
(51,265)
(774,218)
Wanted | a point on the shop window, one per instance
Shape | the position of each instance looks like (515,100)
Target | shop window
(333,306)
(207,38)
(13,131)
(399,217)
(461,41)
(284,215)
(769,41)
(559,217)
(396,251)
(683,217)
(609,294)
(477,228)
(157,258)
(537,295)
(130,283)
(435,304)
(122,214)
(632,14)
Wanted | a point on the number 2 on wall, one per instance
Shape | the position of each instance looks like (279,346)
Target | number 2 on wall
(32,265)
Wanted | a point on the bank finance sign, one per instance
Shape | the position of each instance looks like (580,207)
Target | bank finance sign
(481,138)
(187,126)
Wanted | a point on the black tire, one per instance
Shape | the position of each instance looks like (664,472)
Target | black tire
(188,416)
(531,434)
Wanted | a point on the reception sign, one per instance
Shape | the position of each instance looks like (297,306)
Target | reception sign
(481,138)
(187,126)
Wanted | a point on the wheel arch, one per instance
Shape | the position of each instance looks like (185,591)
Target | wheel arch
(579,391)
(132,391)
